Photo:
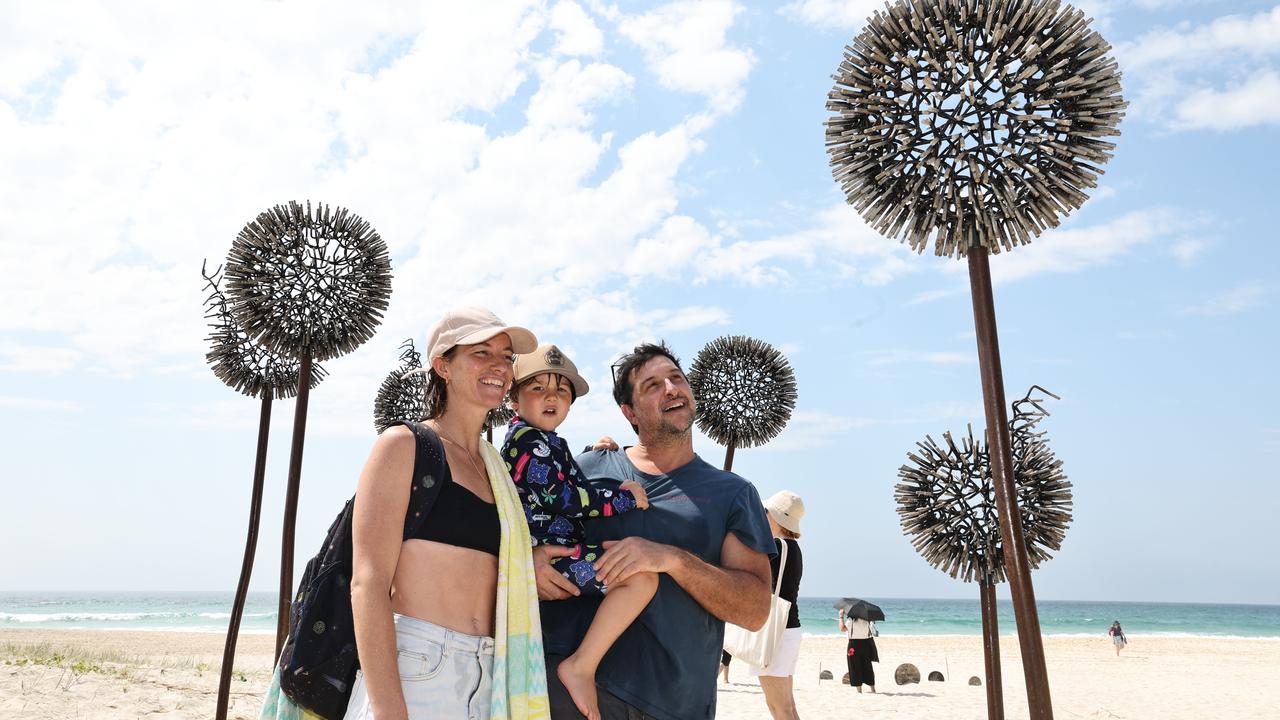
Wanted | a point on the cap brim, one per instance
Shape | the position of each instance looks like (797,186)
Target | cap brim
(522,341)
(580,386)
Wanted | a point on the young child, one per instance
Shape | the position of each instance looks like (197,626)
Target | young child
(558,498)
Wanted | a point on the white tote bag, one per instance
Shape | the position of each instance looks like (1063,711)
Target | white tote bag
(755,647)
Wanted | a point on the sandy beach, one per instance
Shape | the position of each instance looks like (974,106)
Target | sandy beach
(56,674)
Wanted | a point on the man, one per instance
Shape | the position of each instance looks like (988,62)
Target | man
(705,531)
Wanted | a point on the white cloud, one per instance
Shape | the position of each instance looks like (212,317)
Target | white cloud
(1186,251)
(1255,102)
(568,89)
(29,357)
(1187,45)
(839,238)
(132,154)
(685,45)
(845,14)
(1076,248)
(576,32)
(675,245)
(1192,76)
(1232,302)
(28,404)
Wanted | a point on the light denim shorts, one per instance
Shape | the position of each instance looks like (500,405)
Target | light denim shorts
(445,674)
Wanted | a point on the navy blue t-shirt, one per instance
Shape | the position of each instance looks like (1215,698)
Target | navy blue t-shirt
(666,662)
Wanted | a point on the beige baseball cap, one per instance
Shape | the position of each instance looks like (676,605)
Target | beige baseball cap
(786,508)
(468,326)
(548,358)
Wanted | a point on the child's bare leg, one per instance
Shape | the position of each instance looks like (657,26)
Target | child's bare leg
(620,607)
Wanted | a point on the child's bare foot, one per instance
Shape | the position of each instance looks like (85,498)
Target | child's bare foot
(581,686)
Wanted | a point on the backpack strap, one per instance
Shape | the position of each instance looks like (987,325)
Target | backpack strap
(430,473)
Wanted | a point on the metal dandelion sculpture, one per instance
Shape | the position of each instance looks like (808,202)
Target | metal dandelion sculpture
(975,123)
(401,397)
(313,285)
(248,368)
(745,391)
(309,283)
(946,503)
(978,124)
(497,417)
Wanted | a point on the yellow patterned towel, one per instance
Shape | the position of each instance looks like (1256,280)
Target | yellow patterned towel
(519,675)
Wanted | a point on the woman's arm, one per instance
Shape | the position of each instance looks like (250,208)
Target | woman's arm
(382,498)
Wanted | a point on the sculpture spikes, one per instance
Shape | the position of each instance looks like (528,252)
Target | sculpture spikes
(310,285)
(248,368)
(976,126)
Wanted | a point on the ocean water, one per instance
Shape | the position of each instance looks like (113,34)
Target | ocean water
(210,612)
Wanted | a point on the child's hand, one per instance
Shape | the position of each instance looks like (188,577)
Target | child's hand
(633,487)
(605,443)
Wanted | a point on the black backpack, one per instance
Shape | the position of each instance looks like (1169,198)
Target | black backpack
(318,661)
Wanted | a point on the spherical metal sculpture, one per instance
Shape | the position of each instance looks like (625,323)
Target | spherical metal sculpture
(946,501)
(246,367)
(401,397)
(745,391)
(242,364)
(978,123)
(498,417)
(311,285)
(304,282)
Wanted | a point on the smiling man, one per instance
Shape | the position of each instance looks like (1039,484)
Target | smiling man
(705,532)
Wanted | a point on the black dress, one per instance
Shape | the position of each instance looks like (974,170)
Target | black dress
(861,653)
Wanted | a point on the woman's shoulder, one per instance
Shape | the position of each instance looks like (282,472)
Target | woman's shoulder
(396,440)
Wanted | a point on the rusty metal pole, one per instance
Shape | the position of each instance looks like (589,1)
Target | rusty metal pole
(1017,565)
(250,549)
(291,501)
(728,458)
(991,649)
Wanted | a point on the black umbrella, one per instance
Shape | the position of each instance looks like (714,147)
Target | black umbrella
(855,608)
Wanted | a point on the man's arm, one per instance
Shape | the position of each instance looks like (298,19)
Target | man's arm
(736,591)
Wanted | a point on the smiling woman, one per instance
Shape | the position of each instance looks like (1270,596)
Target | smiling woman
(441,579)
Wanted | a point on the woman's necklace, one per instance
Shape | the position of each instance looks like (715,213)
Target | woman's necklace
(465,453)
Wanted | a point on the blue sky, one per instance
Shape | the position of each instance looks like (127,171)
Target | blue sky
(605,174)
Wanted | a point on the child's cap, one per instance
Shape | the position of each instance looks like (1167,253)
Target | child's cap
(547,358)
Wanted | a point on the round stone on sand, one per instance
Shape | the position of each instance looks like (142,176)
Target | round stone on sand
(906,673)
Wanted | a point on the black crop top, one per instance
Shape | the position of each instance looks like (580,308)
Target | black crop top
(460,518)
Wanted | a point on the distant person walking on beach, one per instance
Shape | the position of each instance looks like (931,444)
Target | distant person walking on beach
(1117,637)
(861,652)
(705,532)
(784,510)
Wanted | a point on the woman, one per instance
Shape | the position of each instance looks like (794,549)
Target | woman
(784,510)
(861,651)
(429,611)
(1117,637)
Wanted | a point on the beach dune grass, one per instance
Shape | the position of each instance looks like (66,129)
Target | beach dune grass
(102,660)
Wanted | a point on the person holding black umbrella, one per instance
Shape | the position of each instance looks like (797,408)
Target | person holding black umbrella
(862,649)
